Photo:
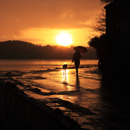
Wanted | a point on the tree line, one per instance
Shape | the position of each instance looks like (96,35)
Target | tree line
(17,49)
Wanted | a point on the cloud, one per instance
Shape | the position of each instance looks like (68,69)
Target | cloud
(17,15)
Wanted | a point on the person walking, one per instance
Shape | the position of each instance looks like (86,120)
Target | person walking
(76,59)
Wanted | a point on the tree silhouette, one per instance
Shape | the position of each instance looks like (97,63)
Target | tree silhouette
(106,1)
(99,43)
(101,23)
(104,51)
(101,19)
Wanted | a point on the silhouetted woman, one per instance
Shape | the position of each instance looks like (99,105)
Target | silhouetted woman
(76,59)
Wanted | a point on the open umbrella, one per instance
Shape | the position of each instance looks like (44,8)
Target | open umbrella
(81,49)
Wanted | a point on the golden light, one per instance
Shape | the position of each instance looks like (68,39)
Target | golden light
(64,39)
(64,76)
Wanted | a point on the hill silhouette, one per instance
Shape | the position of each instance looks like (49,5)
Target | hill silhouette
(24,50)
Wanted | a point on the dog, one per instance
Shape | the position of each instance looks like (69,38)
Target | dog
(65,66)
(64,71)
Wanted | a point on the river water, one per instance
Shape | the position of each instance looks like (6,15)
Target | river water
(30,65)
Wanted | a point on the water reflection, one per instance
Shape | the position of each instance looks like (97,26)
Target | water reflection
(65,76)
(77,82)
(68,77)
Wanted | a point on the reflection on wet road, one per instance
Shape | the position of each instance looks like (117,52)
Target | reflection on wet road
(85,97)
(76,95)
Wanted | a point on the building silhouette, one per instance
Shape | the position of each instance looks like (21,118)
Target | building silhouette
(118,34)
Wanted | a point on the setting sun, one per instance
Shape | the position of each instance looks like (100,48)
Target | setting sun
(64,39)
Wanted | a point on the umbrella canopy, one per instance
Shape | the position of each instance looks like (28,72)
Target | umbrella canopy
(81,49)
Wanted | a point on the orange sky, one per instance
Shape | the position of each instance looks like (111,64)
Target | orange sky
(40,21)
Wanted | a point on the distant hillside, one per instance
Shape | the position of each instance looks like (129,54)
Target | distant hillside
(25,50)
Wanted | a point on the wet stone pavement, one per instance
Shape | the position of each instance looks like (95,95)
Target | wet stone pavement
(93,102)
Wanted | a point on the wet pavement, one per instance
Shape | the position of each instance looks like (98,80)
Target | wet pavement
(93,102)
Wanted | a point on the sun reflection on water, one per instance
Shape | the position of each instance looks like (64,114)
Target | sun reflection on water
(65,76)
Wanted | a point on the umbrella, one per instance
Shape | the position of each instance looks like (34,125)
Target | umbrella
(81,49)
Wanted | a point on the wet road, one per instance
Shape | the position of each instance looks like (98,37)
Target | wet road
(95,103)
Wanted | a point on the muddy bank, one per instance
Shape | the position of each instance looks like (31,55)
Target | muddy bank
(18,111)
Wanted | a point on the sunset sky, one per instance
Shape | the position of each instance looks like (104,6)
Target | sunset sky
(41,21)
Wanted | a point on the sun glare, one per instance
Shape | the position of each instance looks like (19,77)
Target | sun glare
(64,39)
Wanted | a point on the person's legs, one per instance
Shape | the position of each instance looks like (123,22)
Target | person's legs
(77,65)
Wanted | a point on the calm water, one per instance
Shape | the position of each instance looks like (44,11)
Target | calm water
(29,65)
